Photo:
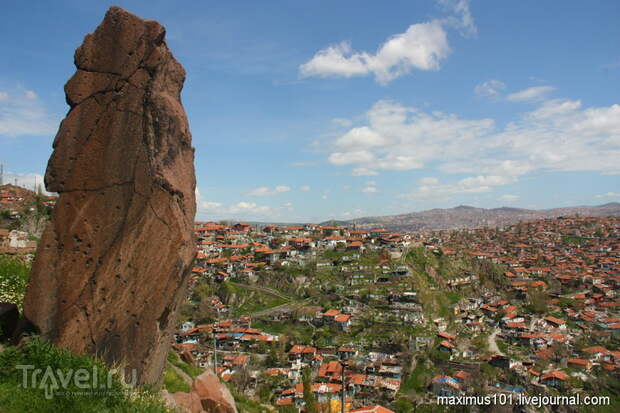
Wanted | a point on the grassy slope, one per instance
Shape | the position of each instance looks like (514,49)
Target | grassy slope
(16,399)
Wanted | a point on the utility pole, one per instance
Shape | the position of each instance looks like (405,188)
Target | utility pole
(214,353)
(343,396)
(1,174)
(215,345)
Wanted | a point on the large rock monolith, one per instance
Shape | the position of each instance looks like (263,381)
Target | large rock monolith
(113,263)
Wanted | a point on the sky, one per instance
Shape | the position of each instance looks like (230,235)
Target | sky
(317,110)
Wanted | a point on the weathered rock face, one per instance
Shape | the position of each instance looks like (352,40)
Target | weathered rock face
(207,394)
(112,265)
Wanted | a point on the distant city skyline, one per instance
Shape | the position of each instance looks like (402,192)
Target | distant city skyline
(338,110)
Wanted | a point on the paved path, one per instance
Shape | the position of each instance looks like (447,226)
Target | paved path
(493,344)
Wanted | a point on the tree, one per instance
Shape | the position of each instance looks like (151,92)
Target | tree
(309,398)
(403,405)
(537,301)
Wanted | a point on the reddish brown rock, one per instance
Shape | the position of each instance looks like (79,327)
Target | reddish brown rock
(214,396)
(189,402)
(113,263)
(207,394)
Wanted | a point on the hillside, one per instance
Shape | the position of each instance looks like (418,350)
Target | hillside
(471,217)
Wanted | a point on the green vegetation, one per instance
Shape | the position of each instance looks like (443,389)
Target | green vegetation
(189,369)
(309,398)
(13,279)
(173,382)
(245,404)
(109,396)
(417,380)
(250,301)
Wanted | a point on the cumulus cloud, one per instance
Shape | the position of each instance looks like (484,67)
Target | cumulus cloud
(490,88)
(353,157)
(22,113)
(534,93)
(609,195)
(266,191)
(423,46)
(409,139)
(363,136)
(558,135)
(370,189)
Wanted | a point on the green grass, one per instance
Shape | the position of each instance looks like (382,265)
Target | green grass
(247,405)
(417,380)
(189,369)
(248,300)
(115,398)
(299,333)
(173,382)
(13,279)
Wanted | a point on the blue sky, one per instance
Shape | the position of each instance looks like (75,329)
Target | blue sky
(306,111)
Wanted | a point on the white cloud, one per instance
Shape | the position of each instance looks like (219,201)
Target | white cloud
(409,137)
(558,135)
(363,172)
(470,185)
(240,210)
(348,158)
(490,88)
(508,198)
(463,19)
(422,46)
(370,190)
(305,188)
(534,93)
(609,195)
(371,183)
(23,114)
(266,191)
(363,137)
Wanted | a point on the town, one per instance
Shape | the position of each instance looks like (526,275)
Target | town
(325,317)
(314,315)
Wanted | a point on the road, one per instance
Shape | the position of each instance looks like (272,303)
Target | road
(261,289)
(493,344)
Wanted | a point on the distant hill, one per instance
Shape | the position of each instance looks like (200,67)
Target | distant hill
(471,217)
(15,195)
